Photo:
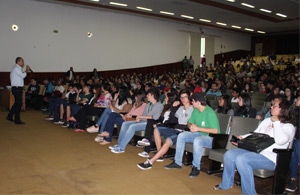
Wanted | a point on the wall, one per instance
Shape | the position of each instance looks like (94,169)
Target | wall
(119,41)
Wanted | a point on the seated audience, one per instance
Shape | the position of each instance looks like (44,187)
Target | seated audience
(32,94)
(167,117)
(245,107)
(295,160)
(95,109)
(117,118)
(121,103)
(202,122)
(214,90)
(280,127)
(182,115)
(152,111)
(224,106)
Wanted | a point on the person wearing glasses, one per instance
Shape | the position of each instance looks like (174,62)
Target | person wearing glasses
(279,126)
(182,114)
(202,122)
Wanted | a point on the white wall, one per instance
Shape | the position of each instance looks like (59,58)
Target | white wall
(119,41)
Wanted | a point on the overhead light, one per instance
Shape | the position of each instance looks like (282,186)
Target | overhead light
(14,27)
(118,4)
(204,20)
(262,32)
(234,26)
(231,0)
(247,5)
(281,15)
(89,34)
(222,24)
(185,16)
(95,0)
(249,29)
(144,8)
(167,13)
(265,10)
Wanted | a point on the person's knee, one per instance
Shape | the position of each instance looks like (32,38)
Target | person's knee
(240,162)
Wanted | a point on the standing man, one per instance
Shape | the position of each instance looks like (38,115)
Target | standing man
(17,76)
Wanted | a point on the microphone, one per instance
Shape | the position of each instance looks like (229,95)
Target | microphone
(30,70)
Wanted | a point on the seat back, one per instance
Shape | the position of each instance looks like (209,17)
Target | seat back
(224,121)
(240,126)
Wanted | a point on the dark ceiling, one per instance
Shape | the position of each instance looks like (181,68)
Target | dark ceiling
(233,14)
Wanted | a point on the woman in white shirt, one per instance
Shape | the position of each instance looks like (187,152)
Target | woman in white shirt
(280,127)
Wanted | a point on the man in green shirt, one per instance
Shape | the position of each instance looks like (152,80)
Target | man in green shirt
(202,122)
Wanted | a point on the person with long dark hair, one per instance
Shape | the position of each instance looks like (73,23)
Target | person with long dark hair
(137,109)
(95,109)
(279,126)
(245,107)
(225,106)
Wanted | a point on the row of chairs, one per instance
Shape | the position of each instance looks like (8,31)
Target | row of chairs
(221,143)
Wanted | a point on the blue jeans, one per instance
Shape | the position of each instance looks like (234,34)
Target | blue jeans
(127,132)
(113,118)
(103,119)
(245,162)
(199,141)
(295,160)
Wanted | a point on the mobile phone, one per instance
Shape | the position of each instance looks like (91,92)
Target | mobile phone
(234,139)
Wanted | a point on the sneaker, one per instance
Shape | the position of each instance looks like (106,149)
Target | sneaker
(59,122)
(173,165)
(93,129)
(145,166)
(66,124)
(217,187)
(98,138)
(160,159)
(144,142)
(292,186)
(113,147)
(139,146)
(117,150)
(44,109)
(49,118)
(144,154)
(79,130)
(195,172)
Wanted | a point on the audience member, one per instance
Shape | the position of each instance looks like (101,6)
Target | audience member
(280,126)
(245,107)
(224,106)
(128,128)
(117,118)
(182,115)
(202,122)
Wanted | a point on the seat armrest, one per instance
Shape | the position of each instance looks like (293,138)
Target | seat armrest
(279,151)
(219,140)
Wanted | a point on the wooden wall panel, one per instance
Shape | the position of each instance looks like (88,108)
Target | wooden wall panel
(160,69)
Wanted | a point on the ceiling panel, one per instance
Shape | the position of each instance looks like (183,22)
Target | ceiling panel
(231,13)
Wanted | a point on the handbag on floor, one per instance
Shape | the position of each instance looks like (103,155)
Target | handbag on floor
(256,142)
